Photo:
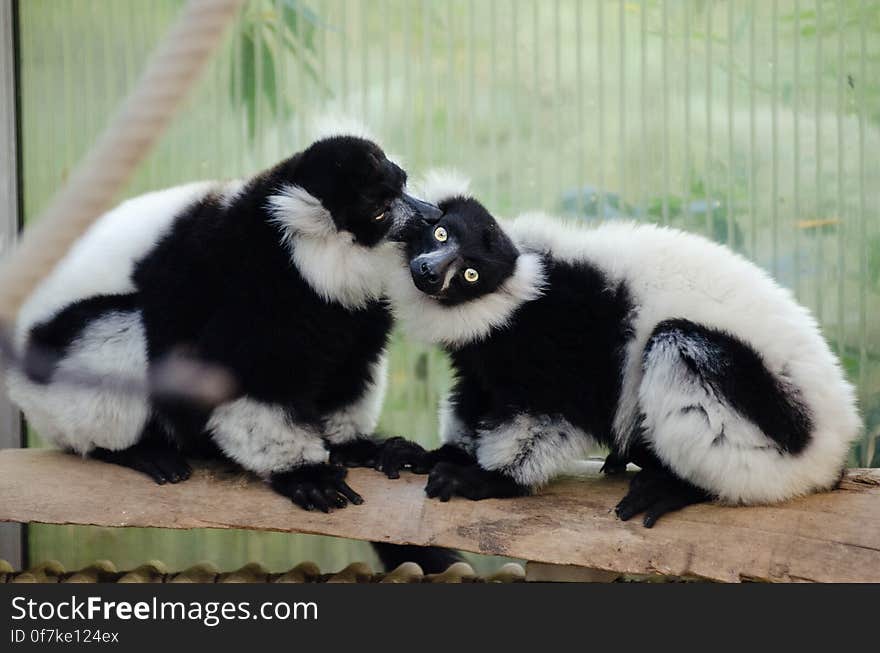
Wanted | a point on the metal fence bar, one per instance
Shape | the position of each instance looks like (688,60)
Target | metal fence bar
(707,180)
(600,65)
(731,66)
(753,174)
(643,98)
(493,106)
(580,138)
(621,146)
(11,535)
(820,250)
(665,109)
(841,206)
(515,133)
(536,92)
(796,124)
(863,234)
(686,189)
(774,136)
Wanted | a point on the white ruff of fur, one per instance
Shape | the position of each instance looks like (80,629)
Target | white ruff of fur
(428,320)
(334,265)
(443,184)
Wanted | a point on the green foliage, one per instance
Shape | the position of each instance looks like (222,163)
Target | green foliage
(270,31)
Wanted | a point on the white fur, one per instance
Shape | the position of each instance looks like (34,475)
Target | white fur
(426,319)
(442,184)
(328,126)
(674,274)
(102,260)
(264,438)
(453,430)
(531,449)
(334,265)
(361,417)
(79,417)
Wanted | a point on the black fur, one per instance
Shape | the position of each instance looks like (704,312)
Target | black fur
(472,482)
(735,371)
(220,286)
(475,241)
(432,559)
(560,355)
(563,354)
(152,454)
(49,341)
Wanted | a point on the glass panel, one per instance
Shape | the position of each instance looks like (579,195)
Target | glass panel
(755,123)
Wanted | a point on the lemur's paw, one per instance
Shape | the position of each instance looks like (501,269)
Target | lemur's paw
(655,493)
(362,452)
(399,453)
(162,463)
(614,464)
(471,482)
(316,487)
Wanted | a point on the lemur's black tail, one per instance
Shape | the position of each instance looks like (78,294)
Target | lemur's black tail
(432,559)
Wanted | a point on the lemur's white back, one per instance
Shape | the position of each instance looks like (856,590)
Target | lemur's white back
(101,262)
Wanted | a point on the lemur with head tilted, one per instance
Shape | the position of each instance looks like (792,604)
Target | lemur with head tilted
(675,352)
(278,279)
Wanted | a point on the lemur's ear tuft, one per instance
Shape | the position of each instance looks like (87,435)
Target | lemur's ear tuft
(442,184)
(340,125)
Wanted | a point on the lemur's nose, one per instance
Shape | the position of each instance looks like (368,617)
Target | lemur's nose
(429,274)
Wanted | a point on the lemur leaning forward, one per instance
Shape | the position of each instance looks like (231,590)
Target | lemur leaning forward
(675,352)
(278,279)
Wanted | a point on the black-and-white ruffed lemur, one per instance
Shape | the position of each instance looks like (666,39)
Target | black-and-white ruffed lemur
(675,352)
(278,279)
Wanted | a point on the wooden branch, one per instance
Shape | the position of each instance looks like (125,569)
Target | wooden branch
(826,537)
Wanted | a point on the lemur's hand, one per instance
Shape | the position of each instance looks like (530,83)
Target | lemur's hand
(361,452)
(399,453)
(470,481)
(321,487)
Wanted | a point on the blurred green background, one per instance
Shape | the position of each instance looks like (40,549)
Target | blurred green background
(756,123)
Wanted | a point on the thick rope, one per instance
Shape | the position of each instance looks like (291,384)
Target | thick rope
(91,189)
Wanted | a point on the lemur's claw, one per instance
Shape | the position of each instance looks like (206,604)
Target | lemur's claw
(316,487)
(655,493)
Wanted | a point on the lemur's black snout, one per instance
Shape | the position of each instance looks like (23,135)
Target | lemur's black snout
(427,212)
(430,270)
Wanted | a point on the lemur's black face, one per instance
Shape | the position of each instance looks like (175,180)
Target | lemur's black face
(360,187)
(462,256)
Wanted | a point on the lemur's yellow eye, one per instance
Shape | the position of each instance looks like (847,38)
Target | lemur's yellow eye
(380,217)
(471,275)
(440,234)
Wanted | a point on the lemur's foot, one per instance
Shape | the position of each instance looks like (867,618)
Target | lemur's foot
(614,464)
(361,452)
(656,492)
(471,482)
(161,462)
(320,487)
(399,453)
